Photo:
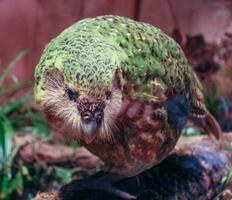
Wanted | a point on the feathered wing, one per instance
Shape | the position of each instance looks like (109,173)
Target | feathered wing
(180,78)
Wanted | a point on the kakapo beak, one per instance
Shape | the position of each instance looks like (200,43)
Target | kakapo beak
(89,131)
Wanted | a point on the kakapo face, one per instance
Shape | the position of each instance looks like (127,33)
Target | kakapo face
(81,88)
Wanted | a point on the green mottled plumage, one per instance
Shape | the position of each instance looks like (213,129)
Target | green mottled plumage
(90,51)
(151,67)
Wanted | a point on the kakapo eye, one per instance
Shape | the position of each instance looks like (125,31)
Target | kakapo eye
(108,95)
(72,95)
